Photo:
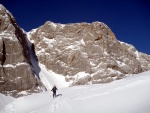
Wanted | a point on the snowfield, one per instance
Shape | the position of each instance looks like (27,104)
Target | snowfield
(128,95)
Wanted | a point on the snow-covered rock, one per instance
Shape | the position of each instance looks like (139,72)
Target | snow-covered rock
(92,48)
(16,74)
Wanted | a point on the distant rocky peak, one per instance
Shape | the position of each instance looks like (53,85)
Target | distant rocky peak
(93,48)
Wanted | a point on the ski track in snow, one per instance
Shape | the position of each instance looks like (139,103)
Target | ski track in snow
(57,105)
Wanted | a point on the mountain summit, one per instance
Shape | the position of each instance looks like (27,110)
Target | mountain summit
(83,53)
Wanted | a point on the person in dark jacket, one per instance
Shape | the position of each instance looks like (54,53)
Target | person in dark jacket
(54,91)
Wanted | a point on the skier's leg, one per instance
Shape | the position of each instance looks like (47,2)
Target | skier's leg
(53,94)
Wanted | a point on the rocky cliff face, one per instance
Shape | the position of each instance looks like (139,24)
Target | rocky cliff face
(90,48)
(16,74)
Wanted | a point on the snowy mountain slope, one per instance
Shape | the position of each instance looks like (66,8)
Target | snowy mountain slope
(49,78)
(128,95)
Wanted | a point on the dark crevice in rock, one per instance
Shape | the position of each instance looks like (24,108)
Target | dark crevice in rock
(3,78)
(33,49)
(22,39)
(0,22)
(4,54)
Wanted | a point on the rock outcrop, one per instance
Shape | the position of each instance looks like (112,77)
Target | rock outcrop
(16,74)
(68,49)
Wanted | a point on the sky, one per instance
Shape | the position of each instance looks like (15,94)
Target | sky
(128,19)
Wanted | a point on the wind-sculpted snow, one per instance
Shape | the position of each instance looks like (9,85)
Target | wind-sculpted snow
(91,48)
(128,95)
(5,100)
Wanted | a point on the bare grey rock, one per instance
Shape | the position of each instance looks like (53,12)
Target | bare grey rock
(82,81)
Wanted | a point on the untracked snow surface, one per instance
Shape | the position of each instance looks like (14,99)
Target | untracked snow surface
(128,95)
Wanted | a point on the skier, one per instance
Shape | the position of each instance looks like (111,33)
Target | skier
(54,91)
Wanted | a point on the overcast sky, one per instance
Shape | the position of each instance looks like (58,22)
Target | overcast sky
(128,19)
